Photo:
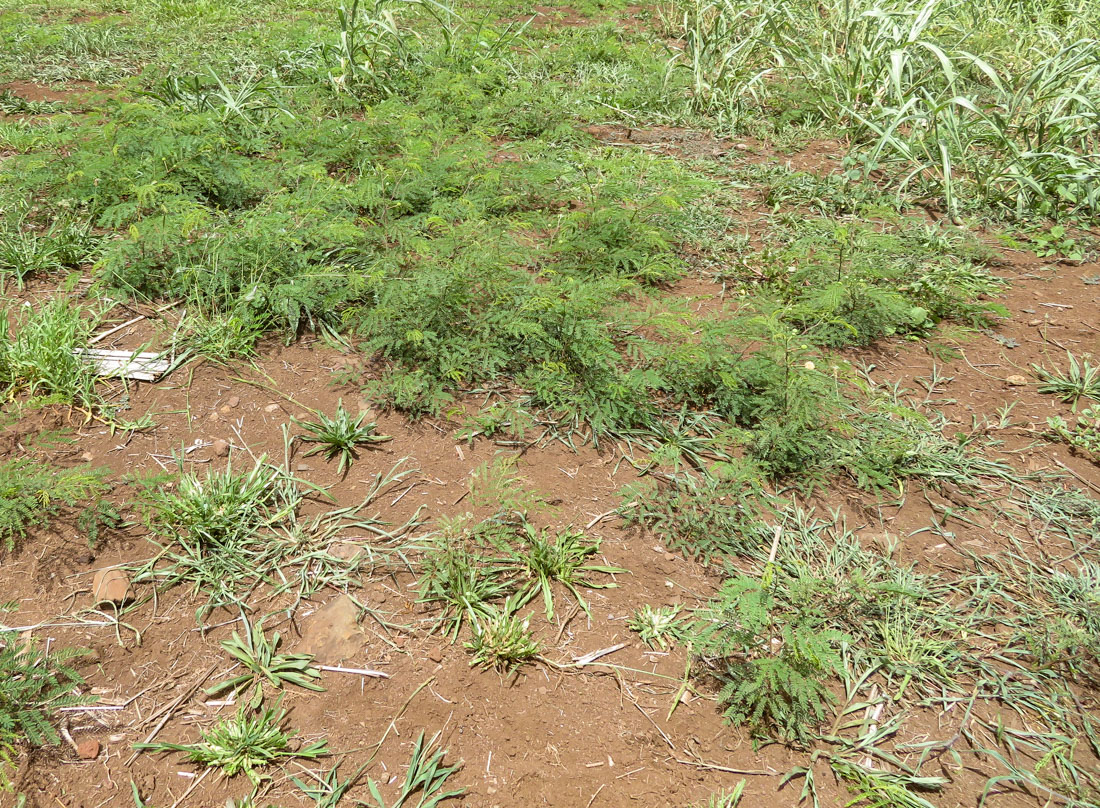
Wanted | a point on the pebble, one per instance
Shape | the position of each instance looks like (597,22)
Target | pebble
(234,401)
(271,408)
(87,457)
(1016,380)
(212,417)
(111,586)
(221,448)
(670,557)
(1034,322)
(303,467)
(436,655)
(88,750)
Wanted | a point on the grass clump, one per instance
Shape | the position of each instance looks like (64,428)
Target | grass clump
(548,557)
(503,640)
(658,626)
(1080,379)
(39,360)
(425,784)
(339,435)
(244,744)
(264,665)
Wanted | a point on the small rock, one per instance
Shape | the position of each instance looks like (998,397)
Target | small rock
(88,750)
(234,401)
(224,409)
(221,448)
(332,633)
(670,557)
(87,457)
(111,586)
(1034,322)
(1016,380)
(303,467)
(117,738)
(271,408)
(436,655)
(212,418)
(345,550)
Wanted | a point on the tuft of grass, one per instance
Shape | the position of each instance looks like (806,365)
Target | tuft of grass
(339,435)
(1080,379)
(658,626)
(425,780)
(39,360)
(456,574)
(245,743)
(264,665)
(224,508)
(503,640)
(547,557)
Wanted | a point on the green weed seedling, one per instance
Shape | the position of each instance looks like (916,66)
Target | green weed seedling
(658,626)
(503,640)
(546,557)
(425,779)
(245,744)
(339,435)
(1081,379)
(33,493)
(264,665)
(34,685)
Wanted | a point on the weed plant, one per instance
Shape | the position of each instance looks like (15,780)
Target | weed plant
(425,784)
(264,665)
(503,640)
(34,685)
(245,743)
(339,435)
(34,494)
(1081,379)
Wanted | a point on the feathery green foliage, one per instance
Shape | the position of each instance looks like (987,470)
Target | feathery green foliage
(33,493)
(34,684)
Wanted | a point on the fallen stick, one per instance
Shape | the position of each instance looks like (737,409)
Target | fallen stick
(171,709)
(588,659)
(357,671)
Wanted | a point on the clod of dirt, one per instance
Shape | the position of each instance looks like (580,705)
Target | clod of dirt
(221,448)
(271,408)
(234,401)
(87,457)
(1016,380)
(332,633)
(111,586)
(88,750)
(345,550)
(436,655)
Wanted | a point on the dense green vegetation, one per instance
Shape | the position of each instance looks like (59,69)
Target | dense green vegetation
(432,187)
